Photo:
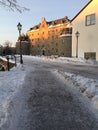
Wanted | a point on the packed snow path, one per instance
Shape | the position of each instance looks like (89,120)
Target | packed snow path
(53,105)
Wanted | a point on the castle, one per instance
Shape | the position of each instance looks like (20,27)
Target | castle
(51,38)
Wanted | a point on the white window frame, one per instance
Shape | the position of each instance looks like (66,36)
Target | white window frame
(90,20)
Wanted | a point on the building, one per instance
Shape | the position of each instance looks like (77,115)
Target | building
(86,23)
(51,38)
(25,45)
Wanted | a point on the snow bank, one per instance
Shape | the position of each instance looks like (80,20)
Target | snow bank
(11,87)
(57,59)
(3,58)
(88,87)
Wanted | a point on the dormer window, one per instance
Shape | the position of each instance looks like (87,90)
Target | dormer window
(53,23)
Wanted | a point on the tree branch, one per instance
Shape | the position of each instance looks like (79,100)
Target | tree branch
(13,5)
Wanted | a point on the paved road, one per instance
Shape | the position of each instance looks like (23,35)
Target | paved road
(89,71)
(53,105)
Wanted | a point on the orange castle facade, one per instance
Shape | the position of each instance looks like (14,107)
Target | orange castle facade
(51,38)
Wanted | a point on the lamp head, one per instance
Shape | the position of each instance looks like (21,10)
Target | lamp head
(19,26)
(77,34)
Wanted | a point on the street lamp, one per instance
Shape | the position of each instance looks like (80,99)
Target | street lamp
(19,26)
(77,36)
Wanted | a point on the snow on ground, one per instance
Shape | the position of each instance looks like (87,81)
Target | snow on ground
(11,83)
(3,58)
(70,60)
(11,87)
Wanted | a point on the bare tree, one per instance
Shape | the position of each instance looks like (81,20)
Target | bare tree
(7,48)
(7,44)
(13,5)
(1,49)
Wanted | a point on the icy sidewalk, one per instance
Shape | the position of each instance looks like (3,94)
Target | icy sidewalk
(11,87)
(13,90)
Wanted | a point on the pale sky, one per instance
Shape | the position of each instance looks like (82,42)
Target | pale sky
(51,10)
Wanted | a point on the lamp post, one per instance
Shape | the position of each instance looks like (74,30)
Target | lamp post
(77,36)
(19,26)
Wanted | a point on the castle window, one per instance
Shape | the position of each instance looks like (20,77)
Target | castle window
(43,26)
(63,41)
(56,44)
(90,20)
(38,45)
(56,50)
